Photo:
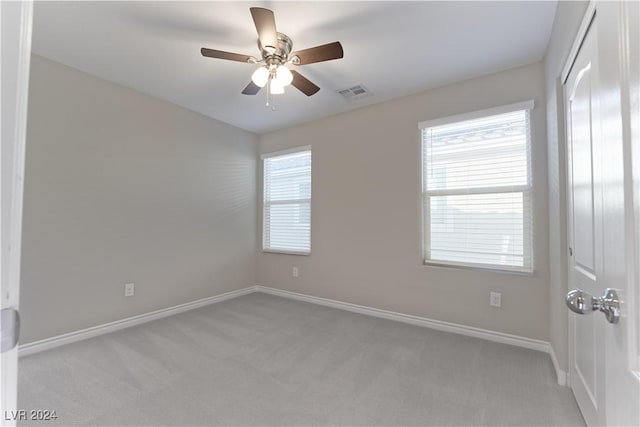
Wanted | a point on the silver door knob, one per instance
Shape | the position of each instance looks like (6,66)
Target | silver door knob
(583,302)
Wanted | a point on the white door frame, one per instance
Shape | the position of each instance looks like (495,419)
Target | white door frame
(15,41)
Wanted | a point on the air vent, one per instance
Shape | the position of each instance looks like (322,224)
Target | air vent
(355,92)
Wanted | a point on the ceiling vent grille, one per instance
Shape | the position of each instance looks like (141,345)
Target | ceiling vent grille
(355,92)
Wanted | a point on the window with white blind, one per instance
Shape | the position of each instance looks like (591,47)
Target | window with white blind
(286,225)
(476,189)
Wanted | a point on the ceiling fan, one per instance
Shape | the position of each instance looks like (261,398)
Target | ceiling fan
(275,49)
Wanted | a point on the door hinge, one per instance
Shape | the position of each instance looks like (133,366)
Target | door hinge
(9,329)
(570,251)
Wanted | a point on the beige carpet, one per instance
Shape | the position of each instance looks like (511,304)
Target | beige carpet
(264,360)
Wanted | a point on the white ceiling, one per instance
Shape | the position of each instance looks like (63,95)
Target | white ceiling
(392,48)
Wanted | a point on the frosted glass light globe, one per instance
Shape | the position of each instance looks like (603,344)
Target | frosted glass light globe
(276,88)
(283,76)
(260,76)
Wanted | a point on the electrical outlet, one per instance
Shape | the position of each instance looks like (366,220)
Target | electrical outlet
(129,289)
(294,272)
(495,299)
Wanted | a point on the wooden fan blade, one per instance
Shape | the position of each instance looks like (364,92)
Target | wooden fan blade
(326,52)
(303,84)
(266,26)
(251,89)
(220,54)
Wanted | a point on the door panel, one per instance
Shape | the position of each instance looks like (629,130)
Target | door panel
(585,216)
(582,169)
(585,359)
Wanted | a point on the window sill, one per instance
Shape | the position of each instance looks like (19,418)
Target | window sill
(283,252)
(488,269)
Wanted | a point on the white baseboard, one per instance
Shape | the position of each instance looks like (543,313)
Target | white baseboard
(48,343)
(562,375)
(440,325)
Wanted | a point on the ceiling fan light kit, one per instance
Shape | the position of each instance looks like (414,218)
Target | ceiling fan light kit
(275,49)
(278,75)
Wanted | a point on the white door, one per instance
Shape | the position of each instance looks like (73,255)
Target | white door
(15,45)
(603,221)
(585,226)
(620,131)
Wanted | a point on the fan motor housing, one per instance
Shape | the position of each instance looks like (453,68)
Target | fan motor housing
(281,54)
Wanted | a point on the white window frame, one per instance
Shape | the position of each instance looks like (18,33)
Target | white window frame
(527,192)
(266,203)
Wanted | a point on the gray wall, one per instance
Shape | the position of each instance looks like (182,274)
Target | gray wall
(568,18)
(121,187)
(366,212)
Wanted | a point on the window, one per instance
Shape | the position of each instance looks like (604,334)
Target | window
(286,225)
(476,189)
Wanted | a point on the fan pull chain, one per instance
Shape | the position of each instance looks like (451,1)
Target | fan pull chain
(270,96)
(268,92)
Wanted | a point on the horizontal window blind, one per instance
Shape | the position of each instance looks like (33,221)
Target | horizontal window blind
(477,208)
(287,203)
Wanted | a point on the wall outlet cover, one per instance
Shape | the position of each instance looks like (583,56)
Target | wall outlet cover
(495,299)
(129,289)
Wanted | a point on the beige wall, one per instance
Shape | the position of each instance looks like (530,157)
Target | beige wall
(366,212)
(165,198)
(568,18)
(122,187)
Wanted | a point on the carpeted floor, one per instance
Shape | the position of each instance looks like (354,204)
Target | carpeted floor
(264,360)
